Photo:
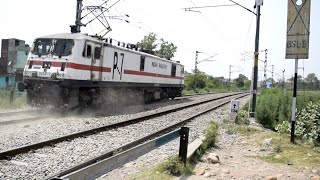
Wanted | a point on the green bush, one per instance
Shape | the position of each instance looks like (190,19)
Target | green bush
(308,123)
(243,117)
(284,127)
(211,135)
(174,166)
(270,110)
(274,106)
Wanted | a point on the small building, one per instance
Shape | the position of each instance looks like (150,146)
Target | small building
(268,85)
(14,53)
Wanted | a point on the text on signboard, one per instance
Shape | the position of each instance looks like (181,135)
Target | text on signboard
(297,44)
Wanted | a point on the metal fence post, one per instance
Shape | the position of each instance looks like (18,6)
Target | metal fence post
(183,149)
(11,95)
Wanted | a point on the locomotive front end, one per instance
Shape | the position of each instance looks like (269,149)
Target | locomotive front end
(45,70)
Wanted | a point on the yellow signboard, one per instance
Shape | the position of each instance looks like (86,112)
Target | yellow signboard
(298,29)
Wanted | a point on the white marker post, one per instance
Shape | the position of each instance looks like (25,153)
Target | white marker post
(234,109)
(298,30)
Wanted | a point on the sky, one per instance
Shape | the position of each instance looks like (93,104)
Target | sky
(228,32)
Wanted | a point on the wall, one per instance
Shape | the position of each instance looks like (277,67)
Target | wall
(3,83)
(14,55)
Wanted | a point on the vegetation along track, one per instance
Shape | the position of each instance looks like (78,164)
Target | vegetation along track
(24,149)
(90,169)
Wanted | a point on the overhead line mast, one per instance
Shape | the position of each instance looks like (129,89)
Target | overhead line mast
(92,10)
(76,28)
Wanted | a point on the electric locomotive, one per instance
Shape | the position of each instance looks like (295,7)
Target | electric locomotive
(73,69)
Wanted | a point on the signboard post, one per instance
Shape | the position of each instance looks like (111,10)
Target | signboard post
(297,45)
(234,109)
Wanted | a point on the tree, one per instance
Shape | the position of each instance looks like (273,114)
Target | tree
(166,50)
(299,78)
(270,80)
(198,81)
(149,45)
(311,78)
(149,42)
(240,80)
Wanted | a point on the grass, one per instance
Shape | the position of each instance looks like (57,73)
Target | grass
(19,100)
(187,91)
(150,174)
(246,130)
(284,152)
(168,169)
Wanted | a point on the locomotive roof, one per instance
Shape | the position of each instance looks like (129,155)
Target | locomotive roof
(86,37)
(69,36)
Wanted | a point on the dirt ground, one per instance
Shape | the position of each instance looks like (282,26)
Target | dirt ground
(240,160)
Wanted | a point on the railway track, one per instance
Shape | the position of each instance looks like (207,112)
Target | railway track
(97,131)
(16,117)
(24,149)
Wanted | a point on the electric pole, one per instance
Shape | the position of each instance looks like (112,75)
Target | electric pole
(284,83)
(255,68)
(195,70)
(302,74)
(265,68)
(229,74)
(272,75)
(198,62)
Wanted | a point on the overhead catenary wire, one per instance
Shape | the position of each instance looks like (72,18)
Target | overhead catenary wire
(245,43)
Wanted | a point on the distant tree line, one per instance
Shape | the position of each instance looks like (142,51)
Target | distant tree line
(309,83)
(203,82)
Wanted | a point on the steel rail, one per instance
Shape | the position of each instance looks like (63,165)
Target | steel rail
(26,148)
(88,166)
(13,113)
(42,111)
(23,120)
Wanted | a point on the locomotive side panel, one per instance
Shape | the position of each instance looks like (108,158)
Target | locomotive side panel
(136,67)
(85,64)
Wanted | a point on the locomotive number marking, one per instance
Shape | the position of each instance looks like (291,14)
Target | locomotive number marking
(115,65)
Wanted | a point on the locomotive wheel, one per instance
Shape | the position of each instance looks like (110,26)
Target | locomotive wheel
(147,97)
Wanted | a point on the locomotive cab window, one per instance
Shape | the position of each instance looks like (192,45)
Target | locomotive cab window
(87,51)
(173,70)
(42,47)
(97,52)
(142,61)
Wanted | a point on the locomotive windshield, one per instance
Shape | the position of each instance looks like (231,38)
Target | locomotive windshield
(59,47)
(63,47)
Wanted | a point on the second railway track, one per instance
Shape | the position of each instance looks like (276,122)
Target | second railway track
(31,115)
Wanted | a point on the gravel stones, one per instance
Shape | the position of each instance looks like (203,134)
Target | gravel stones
(12,136)
(47,161)
(213,158)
